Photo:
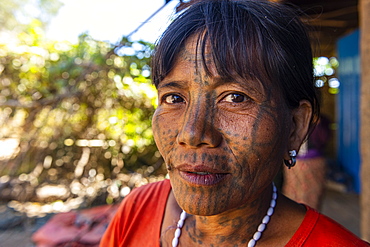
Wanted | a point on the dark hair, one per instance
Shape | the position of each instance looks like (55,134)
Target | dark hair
(252,39)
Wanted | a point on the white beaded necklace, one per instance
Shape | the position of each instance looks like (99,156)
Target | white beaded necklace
(256,236)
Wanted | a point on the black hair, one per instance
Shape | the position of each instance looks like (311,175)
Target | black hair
(256,40)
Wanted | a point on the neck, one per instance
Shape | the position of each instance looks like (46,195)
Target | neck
(233,226)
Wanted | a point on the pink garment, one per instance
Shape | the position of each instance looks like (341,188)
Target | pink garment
(76,228)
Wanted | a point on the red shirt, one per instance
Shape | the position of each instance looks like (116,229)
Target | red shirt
(139,218)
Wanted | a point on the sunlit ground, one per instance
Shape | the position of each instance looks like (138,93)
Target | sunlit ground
(82,192)
(76,194)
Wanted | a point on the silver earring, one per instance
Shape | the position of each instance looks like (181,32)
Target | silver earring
(290,163)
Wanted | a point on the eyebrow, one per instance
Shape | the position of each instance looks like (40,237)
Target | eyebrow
(174,84)
(258,87)
(222,81)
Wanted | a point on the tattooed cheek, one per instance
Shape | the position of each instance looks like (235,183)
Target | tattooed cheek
(220,239)
(237,223)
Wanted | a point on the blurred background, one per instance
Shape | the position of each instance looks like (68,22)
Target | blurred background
(75,109)
(76,102)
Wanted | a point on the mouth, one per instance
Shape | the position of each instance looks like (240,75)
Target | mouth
(200,173)
(202,178)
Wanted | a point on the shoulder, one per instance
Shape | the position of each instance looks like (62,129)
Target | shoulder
(139,216)
(150,197)
(145,193)
(319,229)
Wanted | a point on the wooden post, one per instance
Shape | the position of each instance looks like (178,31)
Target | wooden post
(364,13)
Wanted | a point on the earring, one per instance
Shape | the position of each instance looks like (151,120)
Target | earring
(290,163)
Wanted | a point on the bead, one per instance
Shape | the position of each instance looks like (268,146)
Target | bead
(257,236)
(270,211)
(272,203)
(274,196)
(251,243)
(261,227)
(175,242)
(180,223)
(177,233)
(183,215)
(266,219)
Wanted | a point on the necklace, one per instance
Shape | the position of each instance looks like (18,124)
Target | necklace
(256,236)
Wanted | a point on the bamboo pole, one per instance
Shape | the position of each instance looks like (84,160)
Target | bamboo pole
(364,13)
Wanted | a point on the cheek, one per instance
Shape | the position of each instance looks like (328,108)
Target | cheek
(164,134)
(256,137)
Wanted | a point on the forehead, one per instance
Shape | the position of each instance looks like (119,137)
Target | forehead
(197,55)
(196,49)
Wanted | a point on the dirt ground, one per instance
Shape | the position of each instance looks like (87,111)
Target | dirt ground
(20,235)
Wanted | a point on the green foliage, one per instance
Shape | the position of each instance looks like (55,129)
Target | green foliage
(78,111)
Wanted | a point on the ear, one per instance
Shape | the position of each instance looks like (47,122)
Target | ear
(301,125)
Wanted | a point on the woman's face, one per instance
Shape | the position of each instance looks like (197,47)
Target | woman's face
(222,140)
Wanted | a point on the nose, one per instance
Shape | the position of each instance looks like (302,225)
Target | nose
(198,128)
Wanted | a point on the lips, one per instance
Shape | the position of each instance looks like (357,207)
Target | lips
(201,175)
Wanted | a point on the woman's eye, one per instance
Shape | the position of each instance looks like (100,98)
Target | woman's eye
(173,99)
(235,98)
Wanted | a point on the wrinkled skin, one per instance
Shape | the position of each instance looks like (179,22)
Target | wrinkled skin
(234,127)
(234,134)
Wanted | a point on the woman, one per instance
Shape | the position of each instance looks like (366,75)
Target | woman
(236,98)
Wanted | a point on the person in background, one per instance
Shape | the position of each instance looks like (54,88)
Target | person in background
(236,98)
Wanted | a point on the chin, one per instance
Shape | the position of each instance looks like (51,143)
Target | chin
(203,211)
